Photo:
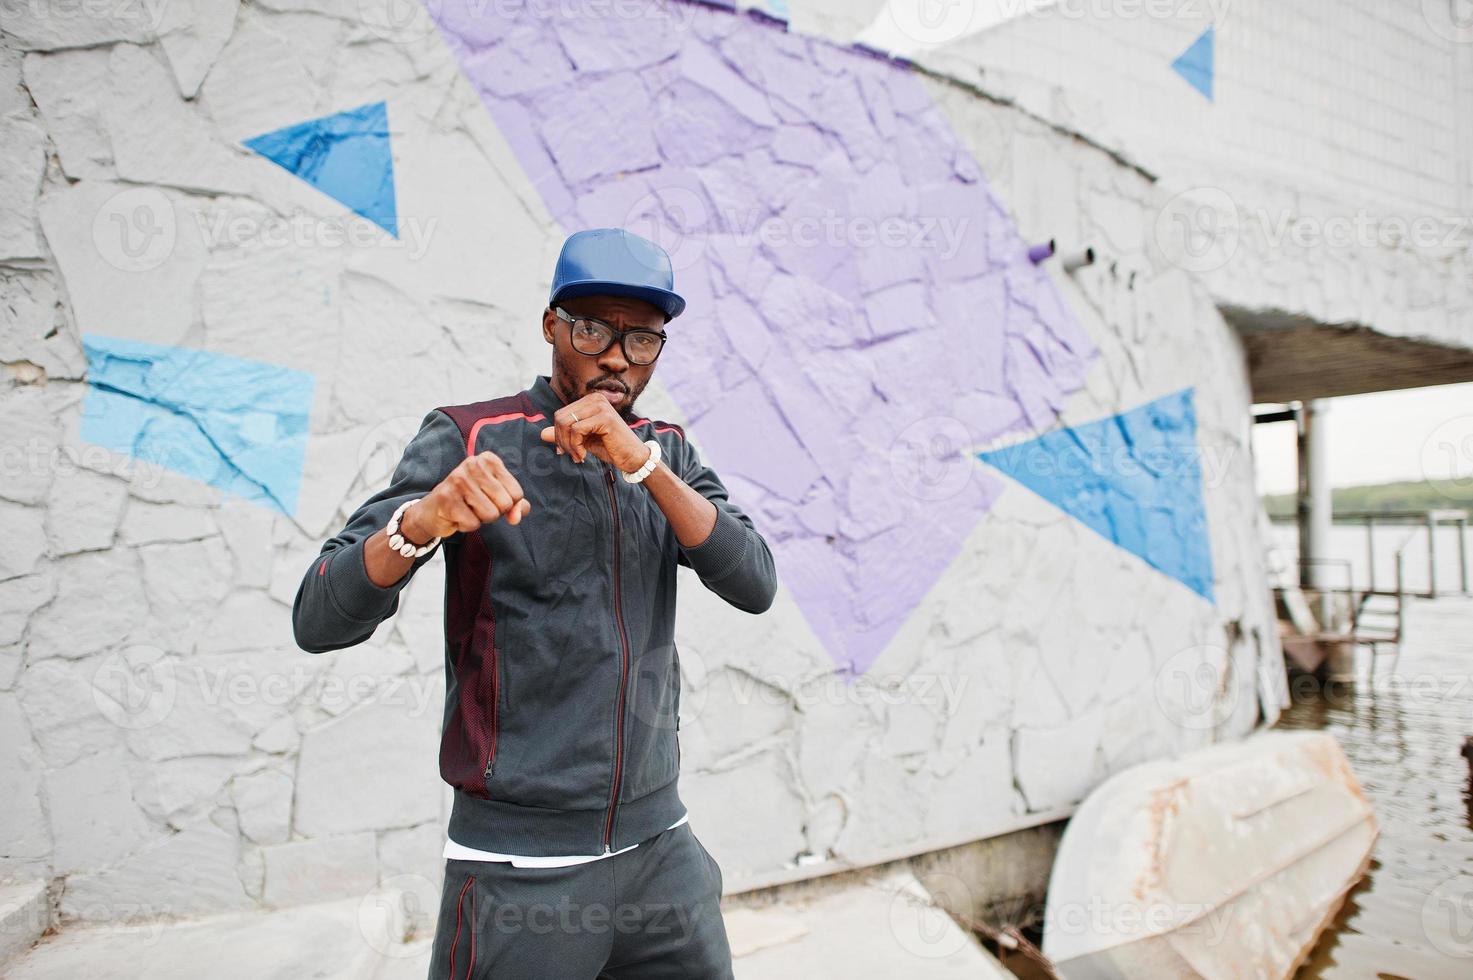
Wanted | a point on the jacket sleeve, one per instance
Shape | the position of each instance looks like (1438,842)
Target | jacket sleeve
(337,604)
(734,561)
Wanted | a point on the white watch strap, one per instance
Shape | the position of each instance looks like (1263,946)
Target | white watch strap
(649,465)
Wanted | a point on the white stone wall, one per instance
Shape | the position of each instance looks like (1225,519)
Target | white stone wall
(168,751)
(1332,174)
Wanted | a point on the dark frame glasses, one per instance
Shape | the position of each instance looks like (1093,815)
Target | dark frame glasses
(610,334)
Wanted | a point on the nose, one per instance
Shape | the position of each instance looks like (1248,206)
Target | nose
(612,361)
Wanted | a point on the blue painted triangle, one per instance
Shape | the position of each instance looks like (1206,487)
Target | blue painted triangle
(345,155)
(1196,63)
(1133,478)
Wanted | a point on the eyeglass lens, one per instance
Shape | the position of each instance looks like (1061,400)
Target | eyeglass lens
(640,346)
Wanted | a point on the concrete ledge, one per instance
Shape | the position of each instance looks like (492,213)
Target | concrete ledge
(25,913)
(347,940)
(738,883)
(875,928)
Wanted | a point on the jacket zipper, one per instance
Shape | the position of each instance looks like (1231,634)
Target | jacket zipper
(623,663)
(495,710)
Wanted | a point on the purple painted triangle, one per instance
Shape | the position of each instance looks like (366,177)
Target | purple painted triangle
(861,314)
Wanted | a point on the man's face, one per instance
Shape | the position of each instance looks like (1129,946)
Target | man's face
(575,374)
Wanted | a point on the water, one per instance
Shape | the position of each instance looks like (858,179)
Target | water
(1403,732)
(1352,553)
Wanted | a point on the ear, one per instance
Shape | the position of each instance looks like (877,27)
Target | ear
(549,324)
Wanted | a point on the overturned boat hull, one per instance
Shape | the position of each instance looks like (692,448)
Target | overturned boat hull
(1227,862)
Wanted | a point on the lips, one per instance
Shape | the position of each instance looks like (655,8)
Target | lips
(613,393)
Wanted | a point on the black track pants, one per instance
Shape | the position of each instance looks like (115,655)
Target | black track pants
(648,914)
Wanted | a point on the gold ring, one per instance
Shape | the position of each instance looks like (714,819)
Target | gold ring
(575,416)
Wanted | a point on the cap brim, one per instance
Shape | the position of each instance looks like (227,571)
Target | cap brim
(667,302)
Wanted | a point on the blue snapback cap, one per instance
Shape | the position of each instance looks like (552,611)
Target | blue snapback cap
(615,262)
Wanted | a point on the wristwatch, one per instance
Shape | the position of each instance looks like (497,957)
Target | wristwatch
(649,464)
(397,540)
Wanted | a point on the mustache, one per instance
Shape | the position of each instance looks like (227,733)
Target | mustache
(613,383)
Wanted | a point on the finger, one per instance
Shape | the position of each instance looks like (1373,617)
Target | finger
(574,429)
(487,482)
(508,481)
(565,432)
(578,435)
(478,501)
(481,470)
(462,517)
(459,483)
(465,483)
(498,495)
(520,510)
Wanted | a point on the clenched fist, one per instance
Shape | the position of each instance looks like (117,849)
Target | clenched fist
(476,492)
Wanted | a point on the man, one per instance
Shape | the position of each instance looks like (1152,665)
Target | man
(562,515)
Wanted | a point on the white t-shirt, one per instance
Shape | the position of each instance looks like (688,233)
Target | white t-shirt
(460,852)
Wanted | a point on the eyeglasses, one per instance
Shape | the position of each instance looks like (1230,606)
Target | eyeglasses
(592,336)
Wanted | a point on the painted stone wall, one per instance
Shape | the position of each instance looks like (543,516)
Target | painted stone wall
(1320,157)
(244,250)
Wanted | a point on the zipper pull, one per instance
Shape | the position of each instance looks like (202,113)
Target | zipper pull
(607,849)
(490,765)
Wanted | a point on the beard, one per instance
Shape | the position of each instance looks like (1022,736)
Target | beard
(566,380)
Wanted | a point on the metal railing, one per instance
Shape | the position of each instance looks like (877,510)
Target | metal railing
(1427,521)
(1354,622)
(1430,520)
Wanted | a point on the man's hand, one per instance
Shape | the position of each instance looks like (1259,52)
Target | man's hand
(478,491)
(599,430)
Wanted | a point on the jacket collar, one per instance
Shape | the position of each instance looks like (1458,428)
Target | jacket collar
(544,397)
